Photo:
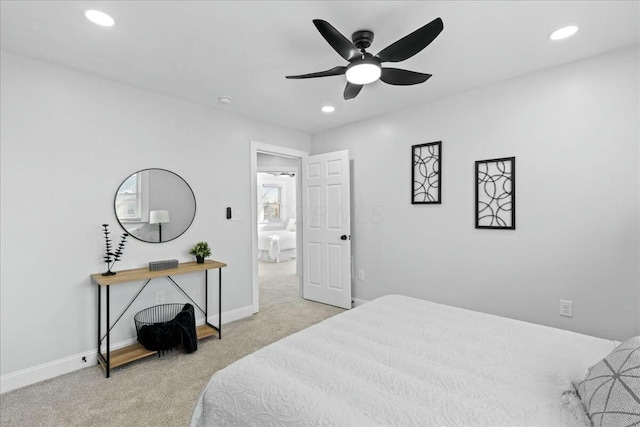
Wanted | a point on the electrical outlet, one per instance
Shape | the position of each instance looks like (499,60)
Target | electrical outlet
(160,297)
(235,216)
(361,274)
(566,308)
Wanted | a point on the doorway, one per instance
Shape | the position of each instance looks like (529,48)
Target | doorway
(278,277)
(323,237)
(276,237)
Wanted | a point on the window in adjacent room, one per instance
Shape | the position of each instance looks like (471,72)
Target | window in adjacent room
(271,201)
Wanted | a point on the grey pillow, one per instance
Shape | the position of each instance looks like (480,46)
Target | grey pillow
(611,389)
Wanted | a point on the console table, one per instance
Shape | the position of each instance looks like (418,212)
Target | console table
(111,359)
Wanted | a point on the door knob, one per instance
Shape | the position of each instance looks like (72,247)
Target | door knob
(343,237)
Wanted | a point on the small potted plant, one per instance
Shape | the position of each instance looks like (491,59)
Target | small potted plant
(201,250)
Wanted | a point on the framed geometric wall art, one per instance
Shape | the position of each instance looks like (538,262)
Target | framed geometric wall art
(496,193)
(426,161)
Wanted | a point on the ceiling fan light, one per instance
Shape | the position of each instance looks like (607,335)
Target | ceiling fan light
(363,73)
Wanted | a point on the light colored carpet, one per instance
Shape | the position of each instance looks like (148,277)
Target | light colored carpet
(160,391)
(278,282)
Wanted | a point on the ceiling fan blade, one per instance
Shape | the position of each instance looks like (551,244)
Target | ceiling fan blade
(398,77)
(351,90)
(335,71)
(409,45)
(338,42)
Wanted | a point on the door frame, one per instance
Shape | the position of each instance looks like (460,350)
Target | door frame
(276,150)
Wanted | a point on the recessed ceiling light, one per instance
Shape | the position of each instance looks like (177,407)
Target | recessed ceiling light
(328,109)
(99,18)
(563,33)
(224,100)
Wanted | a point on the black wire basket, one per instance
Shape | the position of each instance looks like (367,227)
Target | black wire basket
(155,326)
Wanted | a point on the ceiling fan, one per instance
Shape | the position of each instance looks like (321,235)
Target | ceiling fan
(365,68)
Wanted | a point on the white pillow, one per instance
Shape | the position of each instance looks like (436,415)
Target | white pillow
(291,225)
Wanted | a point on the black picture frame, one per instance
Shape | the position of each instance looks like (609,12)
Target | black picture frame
(495,187)
(426,173)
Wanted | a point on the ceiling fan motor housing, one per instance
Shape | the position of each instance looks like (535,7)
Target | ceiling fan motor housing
(362,39)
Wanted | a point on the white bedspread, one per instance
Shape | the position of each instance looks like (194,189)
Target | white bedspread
(403,361)
(276,242)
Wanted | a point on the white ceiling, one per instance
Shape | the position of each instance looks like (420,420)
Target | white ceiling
(201,50)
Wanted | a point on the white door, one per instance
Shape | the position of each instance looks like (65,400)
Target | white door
(326,237)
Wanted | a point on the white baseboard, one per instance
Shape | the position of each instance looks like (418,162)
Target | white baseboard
(358,301)
(45,371)
(233,315)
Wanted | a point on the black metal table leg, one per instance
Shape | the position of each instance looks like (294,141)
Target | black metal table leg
(108,338)
(206,296)
(99,320)
(219,303)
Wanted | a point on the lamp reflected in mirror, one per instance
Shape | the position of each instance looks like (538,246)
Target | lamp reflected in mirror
(144,201)
(159,217)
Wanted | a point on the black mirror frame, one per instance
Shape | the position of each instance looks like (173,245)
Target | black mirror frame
(195,204)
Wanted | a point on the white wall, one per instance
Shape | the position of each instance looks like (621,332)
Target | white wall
(269,161)
(67,142)
(574,131)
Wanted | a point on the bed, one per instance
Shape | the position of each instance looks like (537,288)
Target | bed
(403,361)
(277,245)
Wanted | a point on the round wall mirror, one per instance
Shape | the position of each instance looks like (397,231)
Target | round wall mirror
(155,205)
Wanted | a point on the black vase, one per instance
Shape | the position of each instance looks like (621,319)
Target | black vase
(199,259)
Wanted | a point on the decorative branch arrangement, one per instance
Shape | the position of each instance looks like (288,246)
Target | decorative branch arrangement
(111,257)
